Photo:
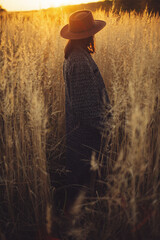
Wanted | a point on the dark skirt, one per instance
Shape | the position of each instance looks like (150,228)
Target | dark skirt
(80,143)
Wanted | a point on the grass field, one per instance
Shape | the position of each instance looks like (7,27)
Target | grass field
(33,126)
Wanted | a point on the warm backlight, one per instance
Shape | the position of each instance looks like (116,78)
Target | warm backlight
(23,5)
(67,2)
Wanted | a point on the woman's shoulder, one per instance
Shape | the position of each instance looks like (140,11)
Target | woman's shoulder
(79,56)
(78,62)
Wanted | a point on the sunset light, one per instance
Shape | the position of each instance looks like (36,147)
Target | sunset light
(67,2)
(19,5)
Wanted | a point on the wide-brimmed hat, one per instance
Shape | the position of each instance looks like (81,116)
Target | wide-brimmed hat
(81,25)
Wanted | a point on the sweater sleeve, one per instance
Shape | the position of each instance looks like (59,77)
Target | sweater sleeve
(84,94)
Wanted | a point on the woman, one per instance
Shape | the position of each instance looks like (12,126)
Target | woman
(86,99)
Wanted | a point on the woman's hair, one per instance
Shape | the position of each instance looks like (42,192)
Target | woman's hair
(86,43)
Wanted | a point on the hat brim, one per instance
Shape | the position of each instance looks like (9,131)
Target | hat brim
(65,33)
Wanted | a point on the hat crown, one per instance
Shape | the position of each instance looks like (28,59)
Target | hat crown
(81,21)
(80,15)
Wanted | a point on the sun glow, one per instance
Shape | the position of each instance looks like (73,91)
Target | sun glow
(20,5)
(59,3)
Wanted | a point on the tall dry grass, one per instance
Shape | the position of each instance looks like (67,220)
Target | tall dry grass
(32,124)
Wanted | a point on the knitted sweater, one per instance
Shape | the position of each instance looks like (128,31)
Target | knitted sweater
(86,100)
(86,95)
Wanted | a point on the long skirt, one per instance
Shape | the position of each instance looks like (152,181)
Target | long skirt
(81,143)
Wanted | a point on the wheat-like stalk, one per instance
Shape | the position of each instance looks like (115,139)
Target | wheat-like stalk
(32,121)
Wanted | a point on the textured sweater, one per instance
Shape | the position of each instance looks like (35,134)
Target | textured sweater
(86,101)
(86,96)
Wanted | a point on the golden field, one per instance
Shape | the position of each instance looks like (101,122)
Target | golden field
(32,132)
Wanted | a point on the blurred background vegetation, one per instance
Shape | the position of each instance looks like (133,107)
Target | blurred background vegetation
(118,5)
(137,5)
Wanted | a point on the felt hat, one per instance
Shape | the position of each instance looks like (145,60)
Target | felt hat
(81,25)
